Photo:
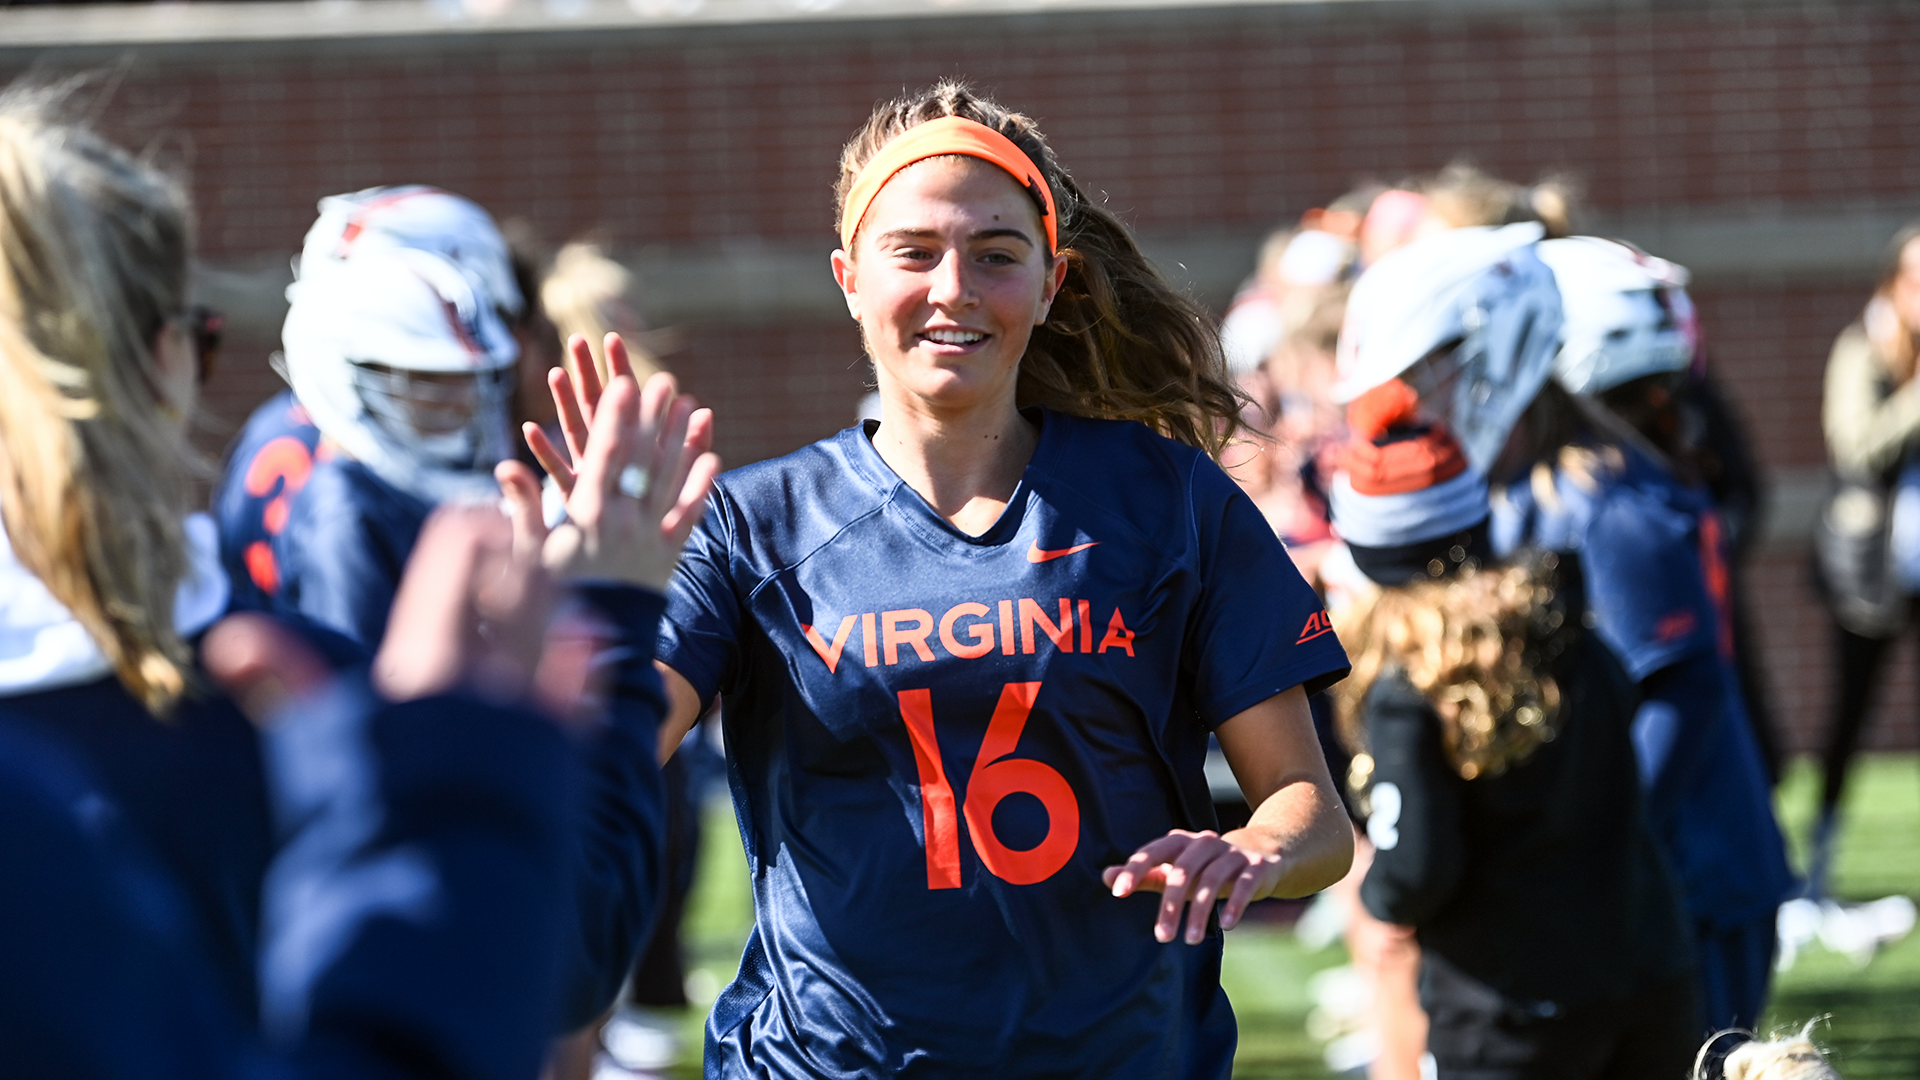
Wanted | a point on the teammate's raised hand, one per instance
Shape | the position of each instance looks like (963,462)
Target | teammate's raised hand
(576,400)
(1192,870)
(638,480)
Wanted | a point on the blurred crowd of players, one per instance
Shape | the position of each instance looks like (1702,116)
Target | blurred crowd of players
(1635,354)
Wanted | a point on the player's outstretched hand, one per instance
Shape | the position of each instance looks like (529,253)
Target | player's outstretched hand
(261,664)
(638,482)
(576,400)
(1192,870)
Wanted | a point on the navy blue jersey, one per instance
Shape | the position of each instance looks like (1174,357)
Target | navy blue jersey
(421,841)
(937,741)
(345,546)
(1638,532)
(305,531)
(268,466)
(1653,557)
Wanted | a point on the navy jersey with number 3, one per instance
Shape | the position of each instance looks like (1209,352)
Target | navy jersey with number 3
(936,742)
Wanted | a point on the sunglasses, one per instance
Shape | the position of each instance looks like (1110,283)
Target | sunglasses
(205,325)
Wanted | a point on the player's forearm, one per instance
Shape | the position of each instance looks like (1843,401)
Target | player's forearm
(683,709)
(1303,823)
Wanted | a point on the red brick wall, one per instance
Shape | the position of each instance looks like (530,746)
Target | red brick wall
(1189,120)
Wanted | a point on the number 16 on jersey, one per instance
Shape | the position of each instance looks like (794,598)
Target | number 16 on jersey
(996,775)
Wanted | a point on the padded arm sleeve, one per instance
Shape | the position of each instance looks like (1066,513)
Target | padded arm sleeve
(620,852)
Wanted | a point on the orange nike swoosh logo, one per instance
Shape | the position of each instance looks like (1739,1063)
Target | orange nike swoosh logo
(1038,554)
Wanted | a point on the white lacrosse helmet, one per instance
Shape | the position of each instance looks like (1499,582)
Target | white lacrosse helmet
(1628,313)
(368,345)
(1479,308)
(417,217)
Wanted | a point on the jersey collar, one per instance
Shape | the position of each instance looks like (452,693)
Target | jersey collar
(857,443)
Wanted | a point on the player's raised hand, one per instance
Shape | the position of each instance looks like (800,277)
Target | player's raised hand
(575,399)
(1192,870)
(637,485)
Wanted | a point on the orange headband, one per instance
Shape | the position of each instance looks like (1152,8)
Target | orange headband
(936,138)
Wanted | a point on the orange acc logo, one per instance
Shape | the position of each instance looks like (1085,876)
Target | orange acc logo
(1318,623)
(971,630)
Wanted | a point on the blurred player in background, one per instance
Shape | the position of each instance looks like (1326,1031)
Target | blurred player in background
(1492,758)
(399,351)
(1574,481)
(1387,956)
(1869,539)
(1631,318)
(1656,554)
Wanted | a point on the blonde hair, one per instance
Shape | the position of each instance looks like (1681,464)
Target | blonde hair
(94,477)
(1120,343)
(1462,195)
(1792,1057)
(586,293)
(1473,646)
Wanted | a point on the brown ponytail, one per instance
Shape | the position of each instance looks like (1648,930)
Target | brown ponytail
(1120,342)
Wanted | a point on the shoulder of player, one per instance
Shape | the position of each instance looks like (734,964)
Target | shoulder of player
(275,419)
(1644,491)
(278,416)
(1086,439)
(819,477)
(1128,473)
(774,513)
(344,498)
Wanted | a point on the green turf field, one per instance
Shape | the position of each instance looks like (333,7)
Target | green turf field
(1874,1032)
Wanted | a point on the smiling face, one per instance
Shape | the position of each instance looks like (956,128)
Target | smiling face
(948,277)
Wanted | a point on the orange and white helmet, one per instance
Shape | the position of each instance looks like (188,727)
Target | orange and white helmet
(1470,318)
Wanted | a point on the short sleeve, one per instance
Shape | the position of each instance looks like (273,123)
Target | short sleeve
(1646,585)
(1257,628)
(700,633)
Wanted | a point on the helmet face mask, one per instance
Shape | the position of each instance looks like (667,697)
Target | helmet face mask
(402,360)
(1470,318)
(444,417)
(1435,375)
